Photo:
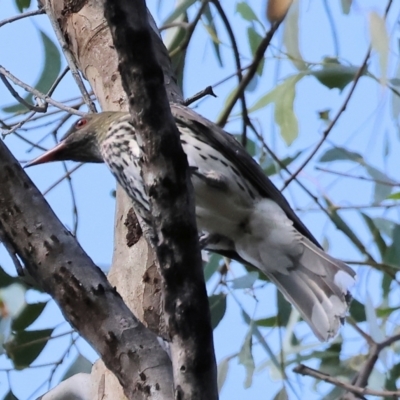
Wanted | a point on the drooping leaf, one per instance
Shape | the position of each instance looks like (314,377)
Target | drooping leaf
(81,364)
(28,315)
(284,309)
(357,311)
(179,10)
(223,368)
(392,254)
(282,394)
(212,30)
(291,37)
(254,41)
(26,346)
(245,281)
(246,357)
(246,12)
(380,42)
(212,266)
(340,153)
(380,243)
(394,196)
(333,74)
(217,304)
(10,396)
(22,4)
(346,5)
(283,97)
(382,190)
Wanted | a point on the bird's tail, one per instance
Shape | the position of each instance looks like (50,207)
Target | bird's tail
(318,286)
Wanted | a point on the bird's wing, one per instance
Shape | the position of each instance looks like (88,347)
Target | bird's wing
(234,152)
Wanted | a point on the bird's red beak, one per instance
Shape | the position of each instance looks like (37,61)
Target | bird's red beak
(49,156)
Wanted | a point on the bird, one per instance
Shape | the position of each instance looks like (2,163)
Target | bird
(240,213)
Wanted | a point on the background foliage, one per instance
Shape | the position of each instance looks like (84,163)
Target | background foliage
(321,115)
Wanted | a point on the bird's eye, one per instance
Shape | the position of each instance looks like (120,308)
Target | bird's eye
(82,122)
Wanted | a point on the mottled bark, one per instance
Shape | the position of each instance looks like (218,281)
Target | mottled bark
(167,179)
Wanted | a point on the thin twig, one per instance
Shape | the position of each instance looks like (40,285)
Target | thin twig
(21,16)
(304,370)
(358,177)
(38,94)
(205,92)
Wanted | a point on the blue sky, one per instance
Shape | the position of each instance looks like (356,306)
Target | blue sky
(360,129)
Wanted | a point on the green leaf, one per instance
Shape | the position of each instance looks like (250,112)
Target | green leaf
(26,346)
(380,42)
(385,312)
(6,280)
(10,396)
(246,281)
(223,368)
(246,358)
(282,394)
(179,10)
(391,379)
(246,12)
(284,309)
(394,196)
(291,37)
(81,364)
(28,315)
(217,304)
(386,282)
(392,255)
(380,243)
(283,97)
(212,30)
(340,153)
(212,266)
(51,69)
(22,4)
(269,322)
(346,5)
(254,41)
(382,190)
(357,311)
(335,75)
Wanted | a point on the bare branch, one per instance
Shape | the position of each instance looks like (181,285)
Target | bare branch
(21,16)
(304,370)
(38,94)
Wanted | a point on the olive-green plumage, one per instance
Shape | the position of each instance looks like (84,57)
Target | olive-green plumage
(239,211)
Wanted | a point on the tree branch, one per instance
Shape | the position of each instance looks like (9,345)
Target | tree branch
(165,172)
(58,264)
(304,370)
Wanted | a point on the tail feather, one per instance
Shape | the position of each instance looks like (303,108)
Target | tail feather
(318,286)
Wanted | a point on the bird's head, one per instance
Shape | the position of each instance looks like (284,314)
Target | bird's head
(82,141)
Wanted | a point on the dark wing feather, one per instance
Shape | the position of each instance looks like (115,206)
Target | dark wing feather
(235,152)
